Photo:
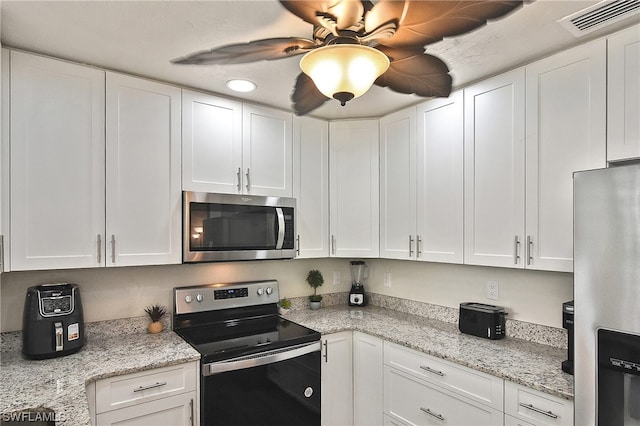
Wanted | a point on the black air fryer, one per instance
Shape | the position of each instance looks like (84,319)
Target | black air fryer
(52,323)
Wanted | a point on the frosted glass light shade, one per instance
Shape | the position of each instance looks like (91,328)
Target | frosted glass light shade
(344,71)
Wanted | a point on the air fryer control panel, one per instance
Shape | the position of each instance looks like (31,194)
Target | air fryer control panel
(55,300)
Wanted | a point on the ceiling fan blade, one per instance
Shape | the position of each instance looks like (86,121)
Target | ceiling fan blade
(306,97)
(344,13)
(425,22)
(412,71)
(267,49)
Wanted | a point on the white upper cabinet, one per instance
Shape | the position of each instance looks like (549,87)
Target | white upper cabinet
(494,171)
(311,186)
(440,179)
(267,151)
(623,102)
(57,164)
(4,162)
(143,192)
(353,188)
(566,133)
(211,143)
(398,185)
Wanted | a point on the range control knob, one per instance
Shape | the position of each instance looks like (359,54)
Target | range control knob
(188,298)
(199,297)
(260,291)
(269,290)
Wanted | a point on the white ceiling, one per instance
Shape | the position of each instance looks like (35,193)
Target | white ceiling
(141,37)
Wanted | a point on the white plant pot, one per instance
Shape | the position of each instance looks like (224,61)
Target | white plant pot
(314,305)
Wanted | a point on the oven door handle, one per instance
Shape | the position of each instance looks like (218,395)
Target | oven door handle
(258,359)
(281,230)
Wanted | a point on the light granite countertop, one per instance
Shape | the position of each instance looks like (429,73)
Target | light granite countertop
(59,384)
(122,346)
(530,364)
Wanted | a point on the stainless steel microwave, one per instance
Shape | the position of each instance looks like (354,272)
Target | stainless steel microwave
(225,227)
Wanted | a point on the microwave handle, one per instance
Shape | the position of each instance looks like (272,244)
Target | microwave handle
(280,236)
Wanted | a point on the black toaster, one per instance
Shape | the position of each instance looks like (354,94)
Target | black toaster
(52,323)
(482,320)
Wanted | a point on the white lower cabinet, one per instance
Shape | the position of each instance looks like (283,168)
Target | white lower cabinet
(337,379)
(534,407)
(368,385)
(167,395)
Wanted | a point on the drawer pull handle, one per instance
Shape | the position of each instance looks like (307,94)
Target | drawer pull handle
(431,413)
(539,410)
(431,370)
(144,388)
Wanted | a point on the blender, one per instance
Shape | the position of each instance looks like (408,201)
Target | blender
(357,296)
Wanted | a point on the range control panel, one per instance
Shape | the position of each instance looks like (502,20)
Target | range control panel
(213,297)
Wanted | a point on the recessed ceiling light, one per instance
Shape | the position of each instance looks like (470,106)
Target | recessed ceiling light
(241,85)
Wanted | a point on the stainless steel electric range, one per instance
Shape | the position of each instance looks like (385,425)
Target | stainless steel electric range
(257,368)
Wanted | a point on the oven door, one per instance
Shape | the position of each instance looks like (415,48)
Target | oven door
(280,387)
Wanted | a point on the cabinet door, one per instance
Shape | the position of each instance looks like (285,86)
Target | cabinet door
(367,380)
(211,143)
(566,131)
(398,185)
(494,171)
(267,151)
(353,193)
(623,96)
(4,163)
(179,410)
(337,385)
(311,186)
(57,164)
(440,180)
(143,172)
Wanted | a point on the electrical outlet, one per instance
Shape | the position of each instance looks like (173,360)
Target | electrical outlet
(387,279)
(492,290)
(336,278)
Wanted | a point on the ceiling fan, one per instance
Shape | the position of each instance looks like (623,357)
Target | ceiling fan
(357,43)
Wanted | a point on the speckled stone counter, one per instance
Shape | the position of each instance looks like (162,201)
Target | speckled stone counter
(530,364)
(59,384)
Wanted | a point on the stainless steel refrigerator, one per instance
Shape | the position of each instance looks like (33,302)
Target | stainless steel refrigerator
(607,296)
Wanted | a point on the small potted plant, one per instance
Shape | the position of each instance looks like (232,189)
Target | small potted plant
(315,280)
(284,305)
(155,313)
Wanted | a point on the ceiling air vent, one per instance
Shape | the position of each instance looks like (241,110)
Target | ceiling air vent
(599,15)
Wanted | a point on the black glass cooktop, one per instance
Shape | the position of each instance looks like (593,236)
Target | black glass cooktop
(234,338)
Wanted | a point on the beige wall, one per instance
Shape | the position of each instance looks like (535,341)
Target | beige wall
(110,293)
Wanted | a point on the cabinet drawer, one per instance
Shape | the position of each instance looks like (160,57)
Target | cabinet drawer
(512,421)
(179,410)
(415,402)
(536,407)
(466,382)
(123,391)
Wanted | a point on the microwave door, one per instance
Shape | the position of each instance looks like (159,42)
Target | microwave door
(280,228)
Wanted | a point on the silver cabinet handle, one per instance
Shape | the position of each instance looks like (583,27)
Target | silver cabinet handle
(418,246)
(431,370)
(529,249)
(113,249)
(248,180)
(191,413)
(155,385)
(99,245)
(516,250)
(1,253)
(431,413)
(298,245)
(410,245)
(326,351)
(539,410)
(238,175)
(333,244)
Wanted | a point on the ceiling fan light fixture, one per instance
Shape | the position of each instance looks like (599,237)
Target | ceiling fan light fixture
(344,71)
(239,85)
